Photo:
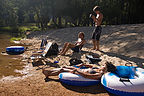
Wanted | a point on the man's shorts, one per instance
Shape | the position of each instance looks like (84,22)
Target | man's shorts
(76,49)
(96,33)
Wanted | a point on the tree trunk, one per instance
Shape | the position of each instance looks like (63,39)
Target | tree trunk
(59,22)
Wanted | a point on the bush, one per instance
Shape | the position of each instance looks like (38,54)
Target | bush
(15,39)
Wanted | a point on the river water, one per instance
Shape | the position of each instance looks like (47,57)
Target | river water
(8,63)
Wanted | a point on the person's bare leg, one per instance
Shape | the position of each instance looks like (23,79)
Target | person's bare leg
(65,45)
(69,67)
(55,72)
(94,44)
(67,48)
(48,73)
(97,44)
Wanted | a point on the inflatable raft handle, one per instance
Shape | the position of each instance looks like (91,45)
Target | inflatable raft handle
(128,64)
(124,80)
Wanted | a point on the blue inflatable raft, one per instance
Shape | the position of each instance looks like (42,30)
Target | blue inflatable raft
(127,81)
(76,80)
(14,50)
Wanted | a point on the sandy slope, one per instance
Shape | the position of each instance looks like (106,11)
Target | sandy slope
(119,44)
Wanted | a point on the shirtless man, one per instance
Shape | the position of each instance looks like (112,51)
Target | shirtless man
(90,72)
(97,31)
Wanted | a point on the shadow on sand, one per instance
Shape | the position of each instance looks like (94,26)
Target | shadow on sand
(95,89)
(51,79)
(79,54)
(139,62)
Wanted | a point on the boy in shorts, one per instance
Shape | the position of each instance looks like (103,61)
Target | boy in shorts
(97,31)
(75,47)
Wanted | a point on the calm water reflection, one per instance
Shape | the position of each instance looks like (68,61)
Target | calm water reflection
(8,63)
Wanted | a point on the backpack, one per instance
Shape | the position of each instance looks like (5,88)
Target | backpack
(54,50)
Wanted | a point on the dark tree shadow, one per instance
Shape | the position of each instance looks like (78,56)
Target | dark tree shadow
(139,62)
(51,79)
(95,89)
(78,54)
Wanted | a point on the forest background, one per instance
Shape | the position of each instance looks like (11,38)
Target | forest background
(36,15)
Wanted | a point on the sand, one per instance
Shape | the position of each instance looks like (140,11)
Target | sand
(119,44)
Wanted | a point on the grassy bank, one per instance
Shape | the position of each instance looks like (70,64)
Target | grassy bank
(19,32)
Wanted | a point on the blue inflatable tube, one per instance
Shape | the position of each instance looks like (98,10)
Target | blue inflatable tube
(14,50)
(133,85)
(76,80)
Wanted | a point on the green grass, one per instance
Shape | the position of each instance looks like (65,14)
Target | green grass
(15,39)
(34,28)
(23,28)
(28,28)
(8,28)
(19,30)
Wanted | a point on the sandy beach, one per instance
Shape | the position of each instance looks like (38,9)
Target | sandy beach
(119,44)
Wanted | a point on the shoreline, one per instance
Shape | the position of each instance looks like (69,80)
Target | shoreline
(120,44)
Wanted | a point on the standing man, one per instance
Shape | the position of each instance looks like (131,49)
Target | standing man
(97,31)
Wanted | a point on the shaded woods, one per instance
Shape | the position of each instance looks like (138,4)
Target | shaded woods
(66,13)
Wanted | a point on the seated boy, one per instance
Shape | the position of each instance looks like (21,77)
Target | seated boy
(75,47)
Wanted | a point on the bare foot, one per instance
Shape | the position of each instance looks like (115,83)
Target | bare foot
(47,79)
(93,48)
(45,72)
(59,53)
(97,49)
(62,54)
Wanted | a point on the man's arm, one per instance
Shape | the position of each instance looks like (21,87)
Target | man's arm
(86,65)
(94,18)
(96,76)
(69,67)
(98,19)
(75,43)
(81,43)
